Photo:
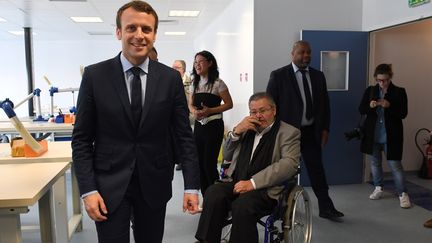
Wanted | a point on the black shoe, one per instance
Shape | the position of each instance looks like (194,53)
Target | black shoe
(331,214)
(178,167)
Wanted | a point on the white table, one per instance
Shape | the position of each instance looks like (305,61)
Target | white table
(34,127)
(21,186)
(57,152)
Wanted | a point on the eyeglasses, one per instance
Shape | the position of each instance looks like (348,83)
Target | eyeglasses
(382,80)
(199,62)
(260,111)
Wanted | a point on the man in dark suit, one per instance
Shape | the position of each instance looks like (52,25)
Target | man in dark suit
(300,93)
(127,108)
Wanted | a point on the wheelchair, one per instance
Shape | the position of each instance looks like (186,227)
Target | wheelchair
(292,213)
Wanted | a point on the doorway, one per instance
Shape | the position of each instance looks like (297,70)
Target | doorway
(408,47)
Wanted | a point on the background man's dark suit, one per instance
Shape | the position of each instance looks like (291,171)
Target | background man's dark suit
(108,146)
(285,90)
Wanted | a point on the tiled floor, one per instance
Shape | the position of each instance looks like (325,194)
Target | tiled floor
(419,195)
(378,221)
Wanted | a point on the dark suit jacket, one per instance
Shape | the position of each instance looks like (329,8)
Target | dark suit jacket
(108,146)
(393,116)
(285,91)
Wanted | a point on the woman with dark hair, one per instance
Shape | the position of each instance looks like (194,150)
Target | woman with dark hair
(385,105)
(206,94)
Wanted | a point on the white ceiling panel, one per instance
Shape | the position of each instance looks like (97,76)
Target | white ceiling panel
(50,20)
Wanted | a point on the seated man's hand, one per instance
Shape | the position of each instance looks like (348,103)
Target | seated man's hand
(95,207)
(191,203)
(248,123)
(243,186)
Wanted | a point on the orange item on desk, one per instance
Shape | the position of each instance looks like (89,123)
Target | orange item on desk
(69,118)
(29,152)
(20,149)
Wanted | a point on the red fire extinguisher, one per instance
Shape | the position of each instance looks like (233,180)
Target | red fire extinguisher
(425,171)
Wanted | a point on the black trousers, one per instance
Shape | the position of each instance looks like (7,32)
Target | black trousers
(311,153)
(208,140)
(246,210)
(148,223)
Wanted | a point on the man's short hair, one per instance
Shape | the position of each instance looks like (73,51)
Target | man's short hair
(182,63)
(263,95)
(139,6)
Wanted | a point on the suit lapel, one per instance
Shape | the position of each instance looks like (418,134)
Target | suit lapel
(152,80)
(292,76)
(120,86)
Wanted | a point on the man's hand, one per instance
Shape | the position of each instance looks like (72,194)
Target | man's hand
(324,138)
(243,186)
(248,123)
(190,203)
(95,206)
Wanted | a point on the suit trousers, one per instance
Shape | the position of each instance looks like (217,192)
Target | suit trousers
(208,140)
(246,209)
(311,153)
(148,223)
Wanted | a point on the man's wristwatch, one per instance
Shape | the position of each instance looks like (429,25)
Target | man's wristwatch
(234,133)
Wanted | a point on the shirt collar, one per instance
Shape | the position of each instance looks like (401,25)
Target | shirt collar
(265,130)
(127,65)
(297,68)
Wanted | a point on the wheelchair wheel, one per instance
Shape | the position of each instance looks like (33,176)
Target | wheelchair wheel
(298,217)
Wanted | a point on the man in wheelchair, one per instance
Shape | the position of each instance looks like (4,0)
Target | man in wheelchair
(264,153)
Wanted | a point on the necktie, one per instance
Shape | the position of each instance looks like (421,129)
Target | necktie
(136,94)
(308,96)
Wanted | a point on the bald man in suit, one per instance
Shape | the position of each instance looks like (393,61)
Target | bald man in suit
(300,93)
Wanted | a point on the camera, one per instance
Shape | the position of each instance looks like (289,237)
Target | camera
(356,133)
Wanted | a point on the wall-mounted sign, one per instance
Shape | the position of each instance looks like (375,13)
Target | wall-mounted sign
(415,3)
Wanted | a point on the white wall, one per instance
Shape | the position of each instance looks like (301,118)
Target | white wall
(60,61)
(13,74)
(278,24)
(385,13)
(234,54)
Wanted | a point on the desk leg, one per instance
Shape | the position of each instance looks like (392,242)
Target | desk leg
(76,201)
(60,209)
(10,230)
(46,218)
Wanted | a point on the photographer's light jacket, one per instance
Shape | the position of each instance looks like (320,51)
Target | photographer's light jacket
(393,116)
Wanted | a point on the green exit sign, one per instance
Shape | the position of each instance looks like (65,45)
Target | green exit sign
(415,3)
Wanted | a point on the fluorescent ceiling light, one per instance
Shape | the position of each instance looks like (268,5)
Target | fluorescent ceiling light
(19,32)
(2,19)
(183,13)
(87,19)
(175,33)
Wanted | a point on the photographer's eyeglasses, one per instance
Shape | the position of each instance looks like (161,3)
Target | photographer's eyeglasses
(382,80)
(261,111)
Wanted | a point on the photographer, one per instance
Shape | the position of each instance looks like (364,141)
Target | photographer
(385,105)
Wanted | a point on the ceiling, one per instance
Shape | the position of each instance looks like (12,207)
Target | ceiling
(50,19)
